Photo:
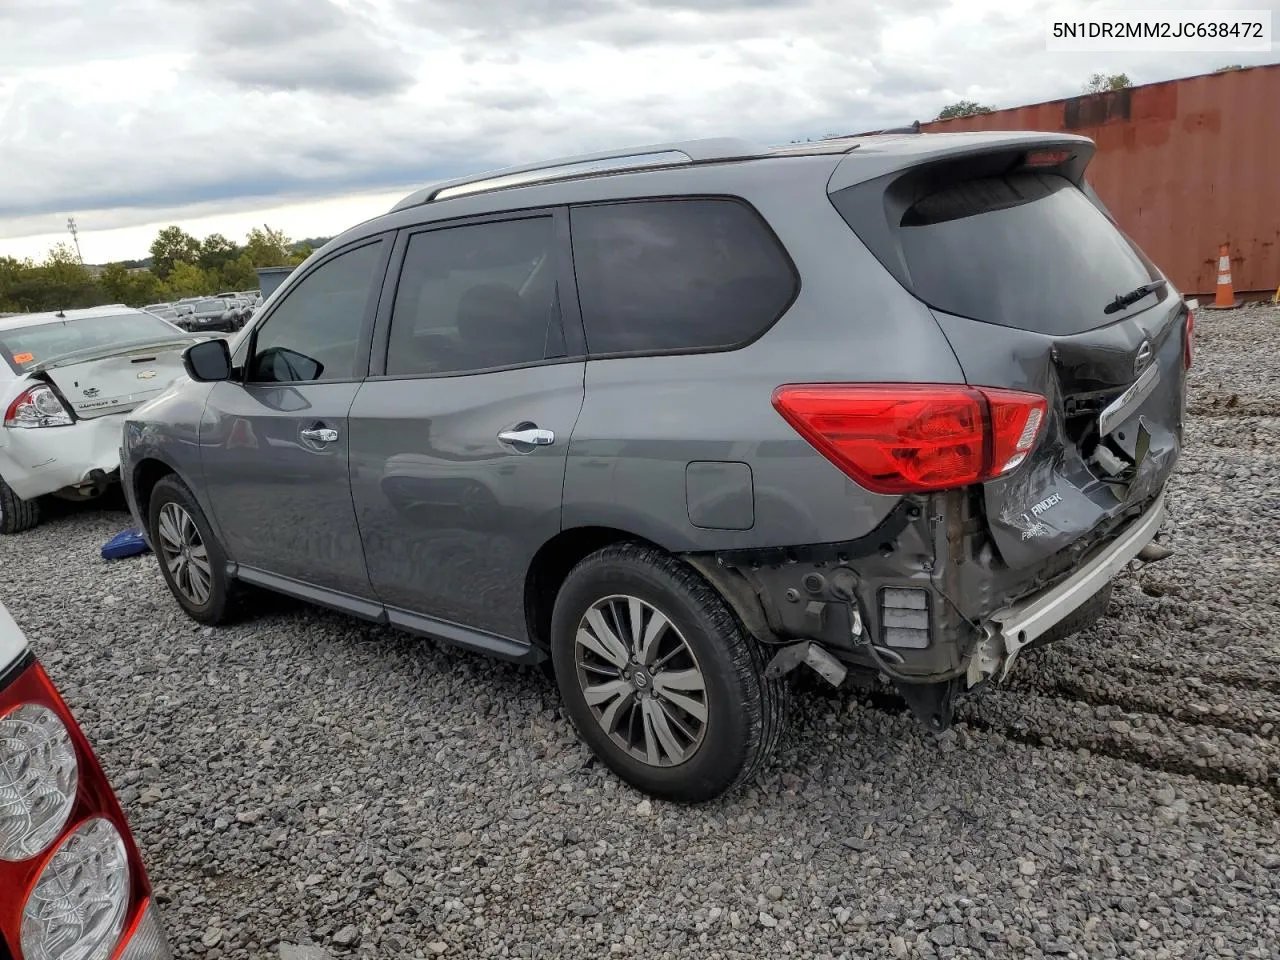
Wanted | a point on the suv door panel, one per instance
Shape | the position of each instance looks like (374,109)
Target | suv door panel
(275,453)
(450,514)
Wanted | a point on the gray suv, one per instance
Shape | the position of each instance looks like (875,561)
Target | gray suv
(682,420)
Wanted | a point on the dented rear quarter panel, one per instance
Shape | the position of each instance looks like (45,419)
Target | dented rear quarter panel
(1053,500)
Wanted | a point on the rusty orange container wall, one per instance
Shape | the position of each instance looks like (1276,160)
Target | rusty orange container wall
(1184,166)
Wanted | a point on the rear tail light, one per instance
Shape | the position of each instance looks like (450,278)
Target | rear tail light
(913,438)
(38,780)
(1188,342)
(37,406)
(77,906)
(73,882)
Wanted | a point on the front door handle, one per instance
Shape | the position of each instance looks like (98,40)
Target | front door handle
(531,436)
(320,435)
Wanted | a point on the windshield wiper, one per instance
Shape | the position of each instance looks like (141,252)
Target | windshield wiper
(1133,296)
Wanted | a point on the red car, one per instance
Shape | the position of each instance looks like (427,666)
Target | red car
(72,882)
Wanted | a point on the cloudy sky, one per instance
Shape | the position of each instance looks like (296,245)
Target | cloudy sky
(313,114)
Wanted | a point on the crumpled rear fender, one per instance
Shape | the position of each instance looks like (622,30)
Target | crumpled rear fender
(44,460)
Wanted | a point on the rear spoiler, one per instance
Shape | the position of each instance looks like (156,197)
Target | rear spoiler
(918,155)
(85,356)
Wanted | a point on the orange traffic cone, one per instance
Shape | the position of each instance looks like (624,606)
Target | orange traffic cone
(1226,298)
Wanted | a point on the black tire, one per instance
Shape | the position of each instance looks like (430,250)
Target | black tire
(221,604)
(745,713)
(16,514)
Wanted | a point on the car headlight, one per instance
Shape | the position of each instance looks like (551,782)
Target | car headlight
(76,911)
(38,780)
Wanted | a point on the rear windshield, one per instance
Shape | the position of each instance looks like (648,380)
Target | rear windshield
(24,347)
(1022,250)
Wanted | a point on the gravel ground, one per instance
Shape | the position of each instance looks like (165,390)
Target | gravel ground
(305,779)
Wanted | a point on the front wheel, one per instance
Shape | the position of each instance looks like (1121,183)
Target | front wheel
(16,514)
(660,678)
(191,559)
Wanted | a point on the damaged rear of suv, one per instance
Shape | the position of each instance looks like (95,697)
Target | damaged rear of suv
(1024,489)
(686,418)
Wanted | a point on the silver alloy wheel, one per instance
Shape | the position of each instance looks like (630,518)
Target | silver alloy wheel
(184,553)
(642,681)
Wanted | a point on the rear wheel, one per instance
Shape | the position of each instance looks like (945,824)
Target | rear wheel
(16,514)
(659,677)
(191,559)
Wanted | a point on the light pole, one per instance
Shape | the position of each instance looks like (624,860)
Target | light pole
(75,238)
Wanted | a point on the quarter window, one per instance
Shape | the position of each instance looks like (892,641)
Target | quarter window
(670,275)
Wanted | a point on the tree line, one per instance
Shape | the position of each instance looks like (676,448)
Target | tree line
(180,265)
(1097,83)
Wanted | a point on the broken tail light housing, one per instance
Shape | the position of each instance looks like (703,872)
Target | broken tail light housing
(37,406)
(914,438)
(72,882)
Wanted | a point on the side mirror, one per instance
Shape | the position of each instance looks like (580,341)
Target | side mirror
(208,361)
(282,365)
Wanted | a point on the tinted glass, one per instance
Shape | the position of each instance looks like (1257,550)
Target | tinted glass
(476,297)
(24,347)
(677,275)
(314,333)
(1027,251)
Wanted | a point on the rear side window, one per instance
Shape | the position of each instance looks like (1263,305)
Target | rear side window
(677,275)
(476,297)
(1024,250)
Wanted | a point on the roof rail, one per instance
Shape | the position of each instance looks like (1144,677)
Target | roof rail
(614,161)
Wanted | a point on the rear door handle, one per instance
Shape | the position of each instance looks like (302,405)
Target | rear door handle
(320,435)
(531,436)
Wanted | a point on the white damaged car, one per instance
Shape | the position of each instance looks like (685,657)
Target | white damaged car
(67,379)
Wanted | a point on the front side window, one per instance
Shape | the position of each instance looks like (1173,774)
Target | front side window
(476,297)
(669,275)
(314,333)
